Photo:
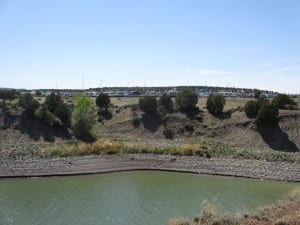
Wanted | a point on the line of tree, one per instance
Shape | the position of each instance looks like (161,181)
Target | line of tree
(186,101)
(8,95)
(266,112)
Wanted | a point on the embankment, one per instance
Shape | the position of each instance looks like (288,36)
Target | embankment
(112,163)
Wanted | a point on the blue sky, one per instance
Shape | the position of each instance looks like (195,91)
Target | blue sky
(241,43)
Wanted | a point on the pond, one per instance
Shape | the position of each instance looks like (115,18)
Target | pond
(128,198)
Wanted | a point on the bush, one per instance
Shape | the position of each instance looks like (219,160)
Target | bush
(166,102)
(29,104)
(64,112)
(47,117)
(103,101)
(53,101)
(215,104)
(257,94)
(83,117)
(252,107)
(186,100)
(56,105)
(8,94)
(38,93)
(267,116)
(283,101)
(148,104)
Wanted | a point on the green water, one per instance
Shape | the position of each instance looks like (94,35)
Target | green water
(133,198)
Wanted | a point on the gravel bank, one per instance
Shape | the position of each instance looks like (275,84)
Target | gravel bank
(111,163)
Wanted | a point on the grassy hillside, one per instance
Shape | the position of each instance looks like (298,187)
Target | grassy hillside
(230,135)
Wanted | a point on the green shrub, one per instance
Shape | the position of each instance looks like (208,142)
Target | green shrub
(56,105)
(63,112)
(136,121)
(267,116)
(38,93)
(103,101)
(148,104)
(83,117)
(251,107)
(283,101)
(166,102)
(186,100)
(8,94)
(29,104)
(215,104)
(47,117)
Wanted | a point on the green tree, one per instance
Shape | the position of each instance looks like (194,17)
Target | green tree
(103,101)
(166,101)
(257,94)
(252,107)
(215,104)
(53,101)
(186,100)
(148,104)
(8,95)
(283,101)
(83,117)
(56,105)
(47,117)
(38,93)
(267,116)
(29,104)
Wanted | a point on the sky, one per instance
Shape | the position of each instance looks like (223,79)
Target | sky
(93,43)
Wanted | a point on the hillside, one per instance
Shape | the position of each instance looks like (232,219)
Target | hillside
(23,136)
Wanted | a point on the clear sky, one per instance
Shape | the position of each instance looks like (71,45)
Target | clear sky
(241,43)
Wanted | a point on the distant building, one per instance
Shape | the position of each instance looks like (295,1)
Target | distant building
(91,93)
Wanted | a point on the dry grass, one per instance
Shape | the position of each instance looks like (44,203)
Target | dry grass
(123,101)
(204,148)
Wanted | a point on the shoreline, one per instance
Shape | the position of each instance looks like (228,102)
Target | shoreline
(97,164)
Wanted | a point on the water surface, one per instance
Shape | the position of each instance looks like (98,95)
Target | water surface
(131,198)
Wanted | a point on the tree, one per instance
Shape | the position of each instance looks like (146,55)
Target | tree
(283,101)
(215,104)
(267,116)
(166,102)
(56,105)
(46,116)
(53,101)
(83,117)
(186,100)
(252,107)
(148,104)
(38,93)
(8,95)
(29,104)
(103,101)
(257,94)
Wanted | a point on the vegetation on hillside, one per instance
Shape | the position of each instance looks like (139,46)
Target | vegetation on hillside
(83,117)
(186,100)
(283,101)
(172,128)
(166,102)
(267,116)
(215,104)
(103,101)
(148,104)
(29,104)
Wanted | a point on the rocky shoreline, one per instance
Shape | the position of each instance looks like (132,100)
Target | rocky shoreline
(38,167)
